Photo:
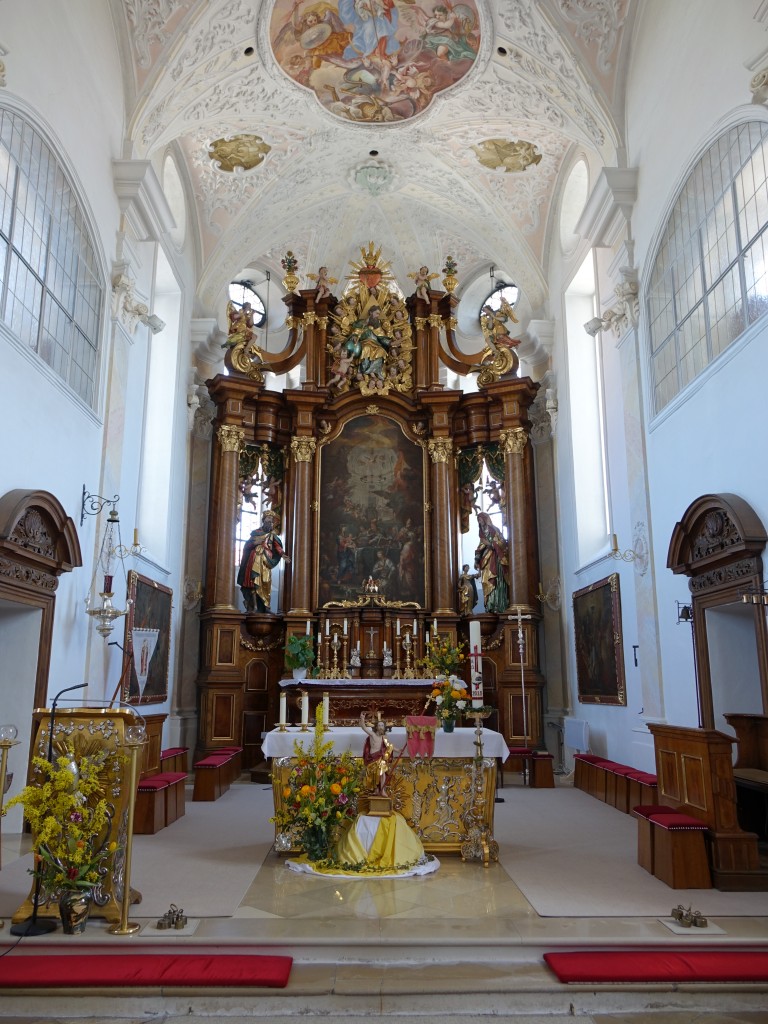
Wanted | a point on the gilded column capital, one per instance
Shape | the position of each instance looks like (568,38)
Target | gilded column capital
(451,323)
(230,438)
(513,441)
(309,317)
(421,323)
(435,320)
(303,448)
(292,322)
(440,448)
(322,322)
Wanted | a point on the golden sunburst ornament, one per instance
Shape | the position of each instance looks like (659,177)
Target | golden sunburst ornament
(371,270)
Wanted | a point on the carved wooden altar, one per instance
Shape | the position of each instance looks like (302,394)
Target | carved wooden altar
(392,394)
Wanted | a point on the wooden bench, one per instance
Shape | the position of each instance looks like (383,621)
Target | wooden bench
(537,766)
(160,800)
(174,759)
(212,775)
(679,851)
(616,784)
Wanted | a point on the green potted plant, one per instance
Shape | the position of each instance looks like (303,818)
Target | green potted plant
(299,655)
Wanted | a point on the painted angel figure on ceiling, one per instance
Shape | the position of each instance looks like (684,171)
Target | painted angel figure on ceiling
(318,30)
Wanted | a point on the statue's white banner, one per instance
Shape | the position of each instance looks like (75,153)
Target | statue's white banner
(144,643)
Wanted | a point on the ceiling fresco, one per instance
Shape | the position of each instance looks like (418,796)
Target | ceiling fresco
(375,60)
(436,128)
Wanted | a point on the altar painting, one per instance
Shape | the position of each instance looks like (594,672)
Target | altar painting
(371,513)
(375,60)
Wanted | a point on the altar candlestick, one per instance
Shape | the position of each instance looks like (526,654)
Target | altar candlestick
(308,625)
(345,627)
(398,627)
(434,626)
(283,708)
(415,627)
(326,709)
(304,708)
(327,627)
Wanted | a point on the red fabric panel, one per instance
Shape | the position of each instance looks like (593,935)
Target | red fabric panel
(173,751)
(149,970)
(171,777)
(646,810)
(648,966)
(152,783)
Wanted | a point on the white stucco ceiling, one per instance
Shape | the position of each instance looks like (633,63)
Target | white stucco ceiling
(547,72)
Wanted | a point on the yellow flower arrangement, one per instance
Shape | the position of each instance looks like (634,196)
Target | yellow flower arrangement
(450,698)
(319,796)
(71,820)
(443,658)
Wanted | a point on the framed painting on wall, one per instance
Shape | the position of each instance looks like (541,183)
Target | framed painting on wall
(149,614)
(599,643)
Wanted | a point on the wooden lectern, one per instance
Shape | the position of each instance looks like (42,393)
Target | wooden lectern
(86,731)
(695,775)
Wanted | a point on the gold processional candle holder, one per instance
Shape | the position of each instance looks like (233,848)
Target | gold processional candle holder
(407,647)
(135,737)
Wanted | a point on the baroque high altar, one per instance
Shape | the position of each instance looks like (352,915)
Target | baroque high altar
(369,471)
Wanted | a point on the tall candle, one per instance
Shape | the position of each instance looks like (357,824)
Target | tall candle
(398,627)
(434,626)
(283,707)
(326,709)
(327,627)
(308,627)
(304,708)
(427,638)
(385,645)
(345,627)
(415,626)
(358,646)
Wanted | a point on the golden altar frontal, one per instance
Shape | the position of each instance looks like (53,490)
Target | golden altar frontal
(443,798)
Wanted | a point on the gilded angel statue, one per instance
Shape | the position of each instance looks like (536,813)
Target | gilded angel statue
(421,278)
(324,282)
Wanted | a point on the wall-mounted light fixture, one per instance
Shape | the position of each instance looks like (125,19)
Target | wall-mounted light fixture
(103,611)
(551,598)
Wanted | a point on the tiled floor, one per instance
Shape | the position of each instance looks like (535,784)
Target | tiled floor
(462,944)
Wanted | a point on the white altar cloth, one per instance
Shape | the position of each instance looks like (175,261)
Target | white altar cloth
(459,743)
(336,684)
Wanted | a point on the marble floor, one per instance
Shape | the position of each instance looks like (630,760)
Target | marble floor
(461,944)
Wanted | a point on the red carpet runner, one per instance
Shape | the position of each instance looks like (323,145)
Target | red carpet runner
(661,966)
(150,970)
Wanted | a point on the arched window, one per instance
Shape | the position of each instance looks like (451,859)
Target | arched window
(241,292)
(50,286)
(709,280)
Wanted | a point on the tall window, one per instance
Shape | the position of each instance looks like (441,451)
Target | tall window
(709,281)
(50,289)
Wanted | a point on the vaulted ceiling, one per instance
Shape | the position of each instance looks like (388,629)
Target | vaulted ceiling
(545,72)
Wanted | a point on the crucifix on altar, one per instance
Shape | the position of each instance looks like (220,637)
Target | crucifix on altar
(371,634)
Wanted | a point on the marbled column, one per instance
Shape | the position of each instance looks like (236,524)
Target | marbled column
(441,451)
(303,449)
(513,443)
(224,514)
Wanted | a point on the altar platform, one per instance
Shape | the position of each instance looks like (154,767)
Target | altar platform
(393,699)
(443,798)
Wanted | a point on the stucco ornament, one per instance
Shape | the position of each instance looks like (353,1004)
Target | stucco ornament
(242,152)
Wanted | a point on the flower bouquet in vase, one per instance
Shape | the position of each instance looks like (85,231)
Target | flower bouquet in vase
(71,820)
(444,660)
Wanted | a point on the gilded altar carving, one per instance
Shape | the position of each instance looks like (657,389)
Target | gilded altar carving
(435,320)
(369,341)
(513,442)
(230,438)
(440,448)
(303,448)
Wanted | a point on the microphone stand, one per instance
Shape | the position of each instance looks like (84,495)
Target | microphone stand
(33,926)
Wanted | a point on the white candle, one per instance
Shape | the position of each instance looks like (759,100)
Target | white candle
(434,626)
(345,627)
(385,645)
(427,638)
(326,709)
(398,627)
(358,646)
(304,708)
(283,706)
(308,627)
(415,627)
(327,627)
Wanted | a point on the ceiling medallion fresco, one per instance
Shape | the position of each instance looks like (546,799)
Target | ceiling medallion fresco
(246,151)
(512,156)
(371,61)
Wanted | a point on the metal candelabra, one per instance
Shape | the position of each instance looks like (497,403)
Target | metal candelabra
(408,646)
(479,842)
